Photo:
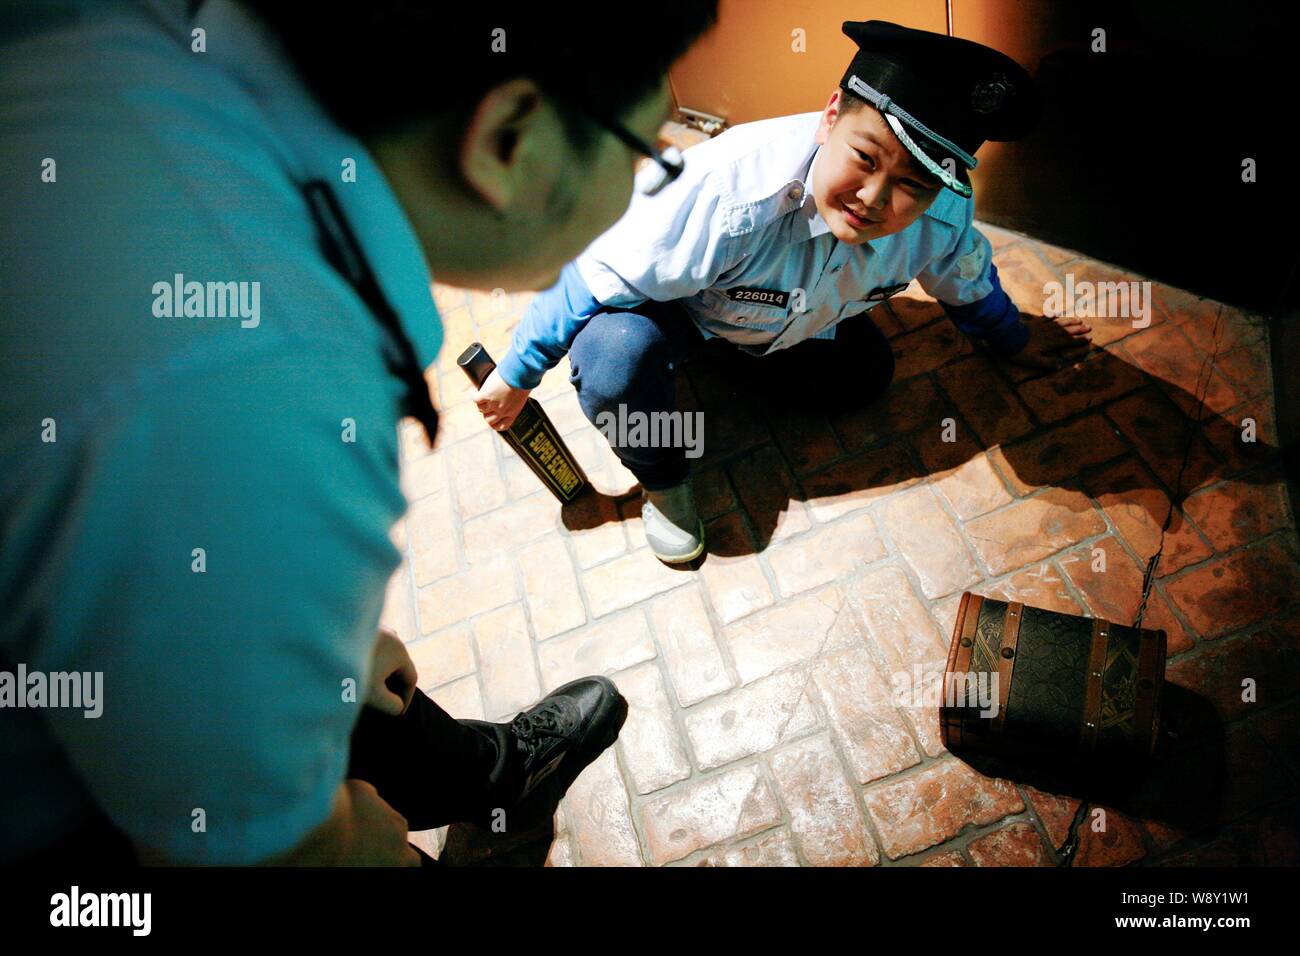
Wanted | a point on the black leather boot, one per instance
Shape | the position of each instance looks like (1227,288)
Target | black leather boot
(550,744)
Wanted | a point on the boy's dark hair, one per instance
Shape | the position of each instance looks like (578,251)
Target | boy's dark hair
(380,65)
(850,102)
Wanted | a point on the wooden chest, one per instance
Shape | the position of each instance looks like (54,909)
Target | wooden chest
(1025,683)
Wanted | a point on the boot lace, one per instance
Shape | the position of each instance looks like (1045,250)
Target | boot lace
(540,729)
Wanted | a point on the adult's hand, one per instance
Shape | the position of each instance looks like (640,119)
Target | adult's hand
(376,833)
(363,829)
(390,659)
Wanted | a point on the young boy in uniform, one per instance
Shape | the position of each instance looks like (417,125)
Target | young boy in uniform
(777,240)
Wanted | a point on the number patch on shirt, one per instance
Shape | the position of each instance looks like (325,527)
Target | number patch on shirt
(760,296)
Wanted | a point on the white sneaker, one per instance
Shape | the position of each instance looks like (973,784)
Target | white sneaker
(672,524)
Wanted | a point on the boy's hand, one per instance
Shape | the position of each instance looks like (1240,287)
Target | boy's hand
(500,403)
(1053,343)
(392,675)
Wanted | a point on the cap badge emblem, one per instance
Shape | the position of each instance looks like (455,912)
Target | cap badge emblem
(989,95)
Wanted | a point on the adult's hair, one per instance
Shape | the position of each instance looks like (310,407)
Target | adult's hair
(378,65)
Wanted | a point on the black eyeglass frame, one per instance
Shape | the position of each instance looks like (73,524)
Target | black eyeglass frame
(670,161)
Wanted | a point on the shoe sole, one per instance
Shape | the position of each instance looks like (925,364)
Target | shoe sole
(682,558)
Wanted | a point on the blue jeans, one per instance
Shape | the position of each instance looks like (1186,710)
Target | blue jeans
(630,358)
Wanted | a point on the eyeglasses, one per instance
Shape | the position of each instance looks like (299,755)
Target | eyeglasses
(668,165)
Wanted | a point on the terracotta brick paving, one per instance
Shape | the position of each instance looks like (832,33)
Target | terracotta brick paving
(763,729)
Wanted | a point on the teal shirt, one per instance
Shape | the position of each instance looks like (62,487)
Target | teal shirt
(224,731)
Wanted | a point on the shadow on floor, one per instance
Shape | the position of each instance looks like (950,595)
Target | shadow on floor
(900,438)
(1181,788)
(1102,427)
(470,845)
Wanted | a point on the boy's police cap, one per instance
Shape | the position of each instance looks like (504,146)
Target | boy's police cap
(942,96)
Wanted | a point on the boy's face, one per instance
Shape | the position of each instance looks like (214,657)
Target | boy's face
(866,183)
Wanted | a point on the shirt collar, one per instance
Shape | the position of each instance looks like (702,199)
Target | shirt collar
(312,146)
(809,223)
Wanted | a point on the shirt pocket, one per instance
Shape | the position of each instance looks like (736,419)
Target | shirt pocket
(855,307)
(873,298)
(749,309)
(887,291)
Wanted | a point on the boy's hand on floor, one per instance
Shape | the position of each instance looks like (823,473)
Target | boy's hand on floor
(392,675)
(1054,342)
(500,403)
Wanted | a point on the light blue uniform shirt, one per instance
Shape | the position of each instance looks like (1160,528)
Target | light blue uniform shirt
(737,240)
(222,690)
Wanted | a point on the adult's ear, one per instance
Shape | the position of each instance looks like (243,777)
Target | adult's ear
(492,150)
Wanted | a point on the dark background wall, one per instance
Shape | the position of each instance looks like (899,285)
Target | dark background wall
(1138,160)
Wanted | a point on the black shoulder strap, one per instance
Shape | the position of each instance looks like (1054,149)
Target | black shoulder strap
(344,253)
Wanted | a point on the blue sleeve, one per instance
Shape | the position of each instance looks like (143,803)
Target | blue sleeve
(548,328)
(993,318)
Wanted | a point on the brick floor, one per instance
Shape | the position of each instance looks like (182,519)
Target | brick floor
(763,727)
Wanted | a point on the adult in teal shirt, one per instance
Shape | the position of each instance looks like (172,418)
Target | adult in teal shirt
(220,222)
